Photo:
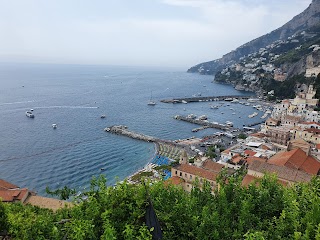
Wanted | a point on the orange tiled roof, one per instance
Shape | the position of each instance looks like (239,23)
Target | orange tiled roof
(249,152)
(312,130)
(296,159)
(212,166)
(206,174)
(13,195)
(283,172)
(318,146)
(4,185)
(175,180)
(258,135)
(236,159)
(251,159)
(310,123)
(265,147)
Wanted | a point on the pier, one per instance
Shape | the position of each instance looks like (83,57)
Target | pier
(204,123)
(123,130)
(205,99)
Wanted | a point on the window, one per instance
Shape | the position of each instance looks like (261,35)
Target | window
(176,173)
(190,177)
(185,175)
(180,174)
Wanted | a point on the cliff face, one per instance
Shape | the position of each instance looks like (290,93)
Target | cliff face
(308,18)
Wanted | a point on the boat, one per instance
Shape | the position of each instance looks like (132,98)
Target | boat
(29,114)
(253,115)
(54,126)
(214,107)
(184,101)
(103,116)
(203,117)
(151,102)
(228,99)
(192,116)
(229,123)
(235,100)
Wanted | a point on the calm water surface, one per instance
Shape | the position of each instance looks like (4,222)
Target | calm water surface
(34,155)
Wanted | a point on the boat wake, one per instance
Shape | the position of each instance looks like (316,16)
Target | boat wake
(11,103)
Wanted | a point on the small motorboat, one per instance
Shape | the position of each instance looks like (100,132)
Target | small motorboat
(54,126)
(29,114)
(103,116)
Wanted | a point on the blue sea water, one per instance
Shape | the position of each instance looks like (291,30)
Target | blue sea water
(34,155)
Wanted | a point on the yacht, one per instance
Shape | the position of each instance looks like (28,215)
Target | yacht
(229,124)
(253,115)
(151,102)
(29,114)
(54,126)
(203,117)
(184,101)
(214,107)
(103,116)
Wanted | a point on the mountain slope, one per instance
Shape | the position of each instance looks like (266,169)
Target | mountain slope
(308,18)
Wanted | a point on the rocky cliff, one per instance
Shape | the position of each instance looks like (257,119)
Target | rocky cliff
(308,18)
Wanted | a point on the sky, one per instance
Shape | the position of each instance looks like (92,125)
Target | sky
(176,33)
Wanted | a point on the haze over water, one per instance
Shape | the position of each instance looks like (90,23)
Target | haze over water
(34,155)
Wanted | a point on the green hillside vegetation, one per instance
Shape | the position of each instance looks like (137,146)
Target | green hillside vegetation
(264,211)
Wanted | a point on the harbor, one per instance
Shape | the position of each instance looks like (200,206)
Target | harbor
(204,123)
(206,99)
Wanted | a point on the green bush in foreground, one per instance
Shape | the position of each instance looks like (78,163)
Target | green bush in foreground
(264,211)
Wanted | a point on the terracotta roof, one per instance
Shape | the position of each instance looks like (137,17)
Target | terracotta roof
(175,180)
(206,174)
(293,118)
(13,195)
(318,146)
(227,151)
(249,152)
(296,159)
(236,159)
(248,179)
(283,172)
(265,147)
(4,185)
(249,160)
(310,123)
(312,130)
(258,135)
(212,166)
(300,141)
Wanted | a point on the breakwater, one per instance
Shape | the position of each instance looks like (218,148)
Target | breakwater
(123,130)
(206,99)
(203,123)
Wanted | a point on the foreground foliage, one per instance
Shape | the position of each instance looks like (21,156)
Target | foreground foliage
(266,211)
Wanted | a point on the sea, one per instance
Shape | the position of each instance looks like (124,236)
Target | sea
(34,155)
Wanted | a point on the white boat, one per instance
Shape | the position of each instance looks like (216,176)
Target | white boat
(151,102)
(253,115)
(184,101)
(54,126)
(103,116)
(214,107)
(29,114)
(235,100)
(203,117)
(228,99)
(192,116)
(229,124)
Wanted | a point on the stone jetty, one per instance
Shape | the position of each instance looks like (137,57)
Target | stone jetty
(206,99)
(123,130)
(203,123)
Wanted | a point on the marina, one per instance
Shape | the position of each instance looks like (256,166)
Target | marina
(205,123)
(234,98)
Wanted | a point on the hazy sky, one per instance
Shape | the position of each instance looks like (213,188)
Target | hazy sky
(179,33)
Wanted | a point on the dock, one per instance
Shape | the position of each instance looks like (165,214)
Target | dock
(123,130)
(205,99)
(204,123)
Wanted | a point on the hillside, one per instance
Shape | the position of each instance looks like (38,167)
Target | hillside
(300,23)
(266,210)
